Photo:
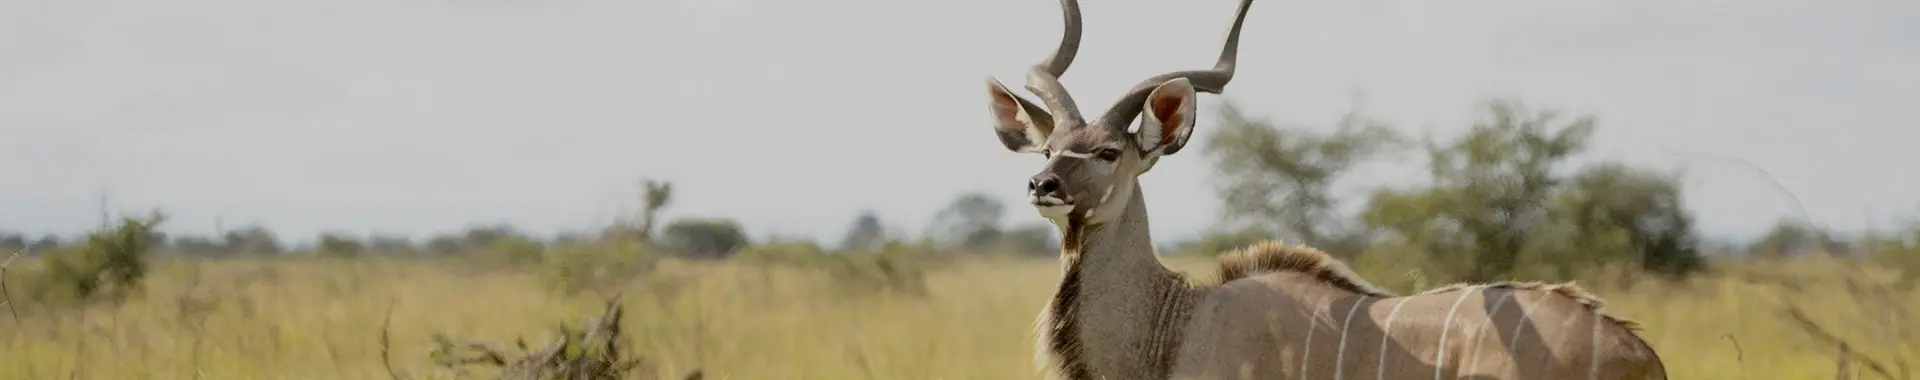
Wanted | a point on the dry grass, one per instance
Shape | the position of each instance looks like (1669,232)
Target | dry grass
(322,319)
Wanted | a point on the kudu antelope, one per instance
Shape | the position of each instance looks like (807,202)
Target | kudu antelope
(1279,312)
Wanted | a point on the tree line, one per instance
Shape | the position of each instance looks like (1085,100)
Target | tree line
(971,222)
(1502,199)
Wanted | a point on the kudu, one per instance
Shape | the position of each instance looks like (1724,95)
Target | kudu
(1279,312)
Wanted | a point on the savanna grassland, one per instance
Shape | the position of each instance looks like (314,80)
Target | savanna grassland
(1504,199)
(322,318)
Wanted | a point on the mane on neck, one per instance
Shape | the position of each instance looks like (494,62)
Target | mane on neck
(1274,257)
(1568,290)
(1061,330)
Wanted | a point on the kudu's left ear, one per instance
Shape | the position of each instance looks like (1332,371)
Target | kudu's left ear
(1022,126)
(1167,118)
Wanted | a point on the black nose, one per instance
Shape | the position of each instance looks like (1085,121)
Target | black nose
(1043,184)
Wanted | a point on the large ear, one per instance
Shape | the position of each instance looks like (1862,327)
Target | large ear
(1022,126)
(1167,119)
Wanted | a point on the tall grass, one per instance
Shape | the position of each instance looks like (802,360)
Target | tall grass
(322,319)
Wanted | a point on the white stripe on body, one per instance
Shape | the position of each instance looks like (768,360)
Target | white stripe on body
(1513,350)
(1594,372)
(1473,362)
(1446,326)
(1565,325)
(1306,355)
(1386,335)
(1341,358)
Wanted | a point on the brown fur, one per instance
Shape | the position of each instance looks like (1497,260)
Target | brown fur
(1274,257)
(1592,302)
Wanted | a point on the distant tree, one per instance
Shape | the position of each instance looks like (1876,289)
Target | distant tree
(198,245)
(339,244)
(706,238)
(482,236)
(1490,191)
(517,249)
(866,234)
(1031,239)
(1612,199)
(390,244)
(159,239)
(252,240)
(11,241)
(656,196)
(1499,197)
(46,243)
(971,222)
(1279,180)
(444,245)
(1787,238)
(566,238)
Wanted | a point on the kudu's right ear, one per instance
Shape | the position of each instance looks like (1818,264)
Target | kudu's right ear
(1167,118)
(1022,126)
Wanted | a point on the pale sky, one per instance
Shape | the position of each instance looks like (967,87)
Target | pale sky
(418,116)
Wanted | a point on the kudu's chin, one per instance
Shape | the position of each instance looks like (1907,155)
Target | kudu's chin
(1051,207)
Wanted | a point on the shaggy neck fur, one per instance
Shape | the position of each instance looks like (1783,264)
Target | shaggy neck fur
(1118,313)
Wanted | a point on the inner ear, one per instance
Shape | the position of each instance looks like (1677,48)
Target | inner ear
(1021,125)
(1168,117)
(1166,108)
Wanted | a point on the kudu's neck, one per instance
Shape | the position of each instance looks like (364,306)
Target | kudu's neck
(1127,308)
(1120,246)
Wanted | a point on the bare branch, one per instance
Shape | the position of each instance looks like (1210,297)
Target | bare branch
(480,353)
(386,341)
(6,297)
(1739,355)
(1798,317)
(599,354)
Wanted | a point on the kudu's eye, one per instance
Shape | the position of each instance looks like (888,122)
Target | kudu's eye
(1044,152)
(1107,154)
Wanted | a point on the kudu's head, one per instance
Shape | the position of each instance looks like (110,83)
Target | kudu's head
(1091,165)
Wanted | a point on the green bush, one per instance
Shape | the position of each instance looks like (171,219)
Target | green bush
(515,250)
(601,269)
(897,267)
(705,238)
(1900,251)
(111,262)
(893,269)
(1217,243)
(798,253)
(335,244)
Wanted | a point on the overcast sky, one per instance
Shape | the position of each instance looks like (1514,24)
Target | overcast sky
(418,116)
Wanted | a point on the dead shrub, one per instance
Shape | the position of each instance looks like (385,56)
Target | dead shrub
(593,352)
